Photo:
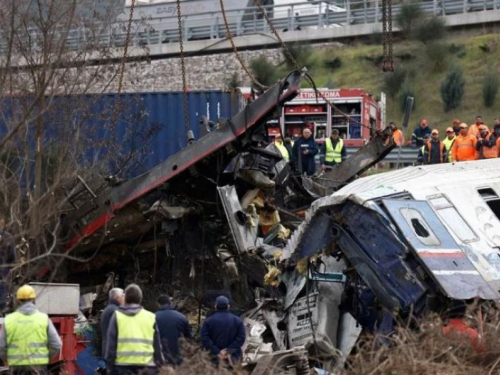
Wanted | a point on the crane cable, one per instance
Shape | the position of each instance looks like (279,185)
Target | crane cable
(116,108)
(297,66)
(388,62)
(235,50)
(183,70)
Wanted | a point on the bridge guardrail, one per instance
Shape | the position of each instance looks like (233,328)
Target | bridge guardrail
(248,21)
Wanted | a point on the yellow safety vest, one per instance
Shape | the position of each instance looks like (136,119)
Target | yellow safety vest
(331,154)
(27,339)
(448,143)
(283,150)
(135,338)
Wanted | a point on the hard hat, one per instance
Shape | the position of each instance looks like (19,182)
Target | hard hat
(26,292)
(456,121)
(449,130)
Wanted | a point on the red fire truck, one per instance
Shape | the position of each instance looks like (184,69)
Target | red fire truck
(306,110)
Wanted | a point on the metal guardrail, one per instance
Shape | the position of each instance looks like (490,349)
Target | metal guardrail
(401,155)
(249,20)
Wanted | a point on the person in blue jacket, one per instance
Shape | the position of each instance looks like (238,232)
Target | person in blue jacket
(304,150)
(172,326)
(223,334)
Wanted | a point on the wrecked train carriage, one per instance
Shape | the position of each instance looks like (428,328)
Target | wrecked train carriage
(416,237)
(131,228)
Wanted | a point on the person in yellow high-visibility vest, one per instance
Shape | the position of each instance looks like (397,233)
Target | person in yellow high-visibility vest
(133,341)
(333,151)
(278,142)
(28,338)
(448,142)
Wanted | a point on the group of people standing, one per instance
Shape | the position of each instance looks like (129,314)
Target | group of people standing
(136,341)
(462,142)
(302,152)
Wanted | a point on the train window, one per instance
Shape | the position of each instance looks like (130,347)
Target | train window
(449,215)
(492,200)
(420,227)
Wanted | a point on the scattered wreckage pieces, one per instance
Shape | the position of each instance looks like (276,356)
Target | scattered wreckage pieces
(294,361)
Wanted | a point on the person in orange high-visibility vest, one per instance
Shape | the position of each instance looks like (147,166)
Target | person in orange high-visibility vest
(397,135)
(464,147)
(474,128)
(486,144)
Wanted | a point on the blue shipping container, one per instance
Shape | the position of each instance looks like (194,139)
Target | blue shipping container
(151,122)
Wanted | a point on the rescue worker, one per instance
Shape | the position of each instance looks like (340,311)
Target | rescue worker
(421,151)
(397,135)
(133,342)
(223,334)
(448,142)
(456,126)
(278,142)
(333,151)
(116,299)
(486,144)
(464,147)
(474,128)
(7,259)
(172,325)
(28,339)
(434,150)
(496,128)
(304,151)
(289,145)
(417,138)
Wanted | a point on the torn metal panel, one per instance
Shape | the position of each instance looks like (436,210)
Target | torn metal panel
(295,283)
(366,157)
(244,230)
(441,255)
(379,257)
(348,334)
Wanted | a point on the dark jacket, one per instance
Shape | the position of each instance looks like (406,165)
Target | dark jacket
(417,138)
(105,318)
(223,330)
(112,338)
(496,131)
(491,142)
(305,163)
(343,152)
(437,153)
(172,325)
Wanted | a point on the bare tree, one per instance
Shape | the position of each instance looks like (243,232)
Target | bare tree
(53,55)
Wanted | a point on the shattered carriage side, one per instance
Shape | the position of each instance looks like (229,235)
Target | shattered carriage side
(410,240)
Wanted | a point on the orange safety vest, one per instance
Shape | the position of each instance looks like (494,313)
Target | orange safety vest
(473,130)
(464,148)
(399,138)
(441,150)
(489,152)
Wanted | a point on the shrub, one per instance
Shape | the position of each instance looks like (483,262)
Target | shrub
(490,87)
(437,56)
(333,63)
(393,81)
(233,82)
(406,91)
(263,70)
(300,52)
(452,89)
(408,18)
(429,30)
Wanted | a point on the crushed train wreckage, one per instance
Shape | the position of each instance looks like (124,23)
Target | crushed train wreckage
(308,262)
